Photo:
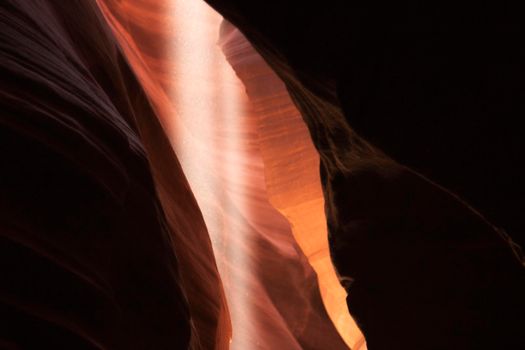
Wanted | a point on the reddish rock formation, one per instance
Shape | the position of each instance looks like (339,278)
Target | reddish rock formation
(291,168)
(272,290)
(429,89)
(102,244)
(88,253)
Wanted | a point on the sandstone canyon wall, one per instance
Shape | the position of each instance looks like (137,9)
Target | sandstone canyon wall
(96,246)
(164,175)
(413,111)
(272,290)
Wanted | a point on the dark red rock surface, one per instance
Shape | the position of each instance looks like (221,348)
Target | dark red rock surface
(90,257)
(413,112)
(435,90)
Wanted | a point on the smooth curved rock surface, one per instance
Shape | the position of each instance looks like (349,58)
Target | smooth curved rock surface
(427,89)
(91,258)
(291,170)
(103,244)
(272,291)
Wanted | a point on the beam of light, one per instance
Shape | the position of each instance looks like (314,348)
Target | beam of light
(204,109)
(209,104)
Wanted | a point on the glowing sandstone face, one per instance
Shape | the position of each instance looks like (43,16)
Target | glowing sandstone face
(291,170)
(252,168)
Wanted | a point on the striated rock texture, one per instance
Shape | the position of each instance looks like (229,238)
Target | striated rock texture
(291,169)
(102,242)
(435,90)
(272,290)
